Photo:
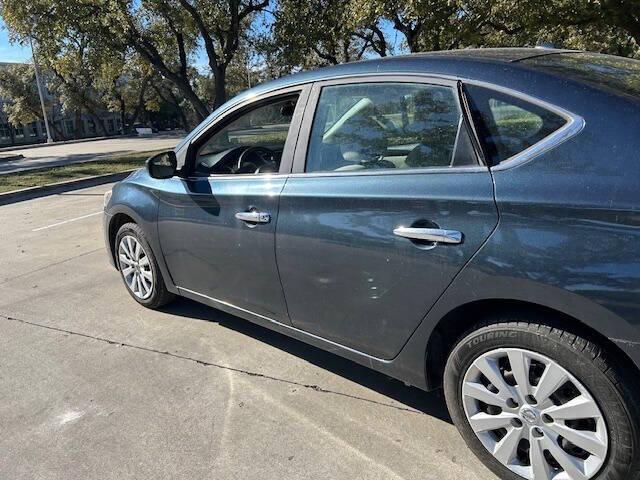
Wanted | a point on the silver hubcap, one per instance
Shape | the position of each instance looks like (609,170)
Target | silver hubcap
(135,267)
(533,416)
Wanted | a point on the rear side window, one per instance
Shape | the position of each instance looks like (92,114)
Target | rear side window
(388,126)
(508,125)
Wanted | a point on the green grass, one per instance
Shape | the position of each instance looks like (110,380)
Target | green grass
(46,176)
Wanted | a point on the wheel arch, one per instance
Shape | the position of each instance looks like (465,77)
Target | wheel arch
(455,325)
(115,223)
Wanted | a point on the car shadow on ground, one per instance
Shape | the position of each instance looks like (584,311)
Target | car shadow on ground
(430,403)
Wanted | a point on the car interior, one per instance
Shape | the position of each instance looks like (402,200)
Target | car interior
(385,125)
(251,144)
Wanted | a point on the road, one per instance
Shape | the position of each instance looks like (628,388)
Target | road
(94,386)
(54,155)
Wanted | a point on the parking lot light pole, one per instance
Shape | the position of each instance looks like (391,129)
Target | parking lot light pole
(40,94)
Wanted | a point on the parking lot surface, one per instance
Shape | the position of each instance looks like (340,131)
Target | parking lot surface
(92,385)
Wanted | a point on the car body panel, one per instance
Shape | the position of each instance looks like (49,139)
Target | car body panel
(211,252)
(567,235)
(348,278)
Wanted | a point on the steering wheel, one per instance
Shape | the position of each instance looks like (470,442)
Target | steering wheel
(263,155)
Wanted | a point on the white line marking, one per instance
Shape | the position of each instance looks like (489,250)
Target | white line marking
(66,221)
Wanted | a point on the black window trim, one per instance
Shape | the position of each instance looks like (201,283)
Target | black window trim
(467,118)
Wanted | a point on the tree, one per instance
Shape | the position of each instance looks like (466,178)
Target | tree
(323,32)
(608,26)
(75,64)
(222,26)
(165,33)
(18,88)
(126,85)
(22,103)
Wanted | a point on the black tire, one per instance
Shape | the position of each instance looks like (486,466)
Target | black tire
(613,387)
(160,296)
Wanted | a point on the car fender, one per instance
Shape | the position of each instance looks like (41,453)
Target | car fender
(134,198)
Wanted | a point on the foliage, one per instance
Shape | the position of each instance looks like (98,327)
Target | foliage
(324,32)
(137,56)
(18,87)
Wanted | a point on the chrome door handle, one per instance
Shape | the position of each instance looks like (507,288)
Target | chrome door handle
(430,234)
(254,217)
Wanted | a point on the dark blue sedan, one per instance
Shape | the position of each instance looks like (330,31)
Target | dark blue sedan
(467,220)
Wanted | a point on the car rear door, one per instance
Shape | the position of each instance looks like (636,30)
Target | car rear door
(217,230)
(386,203)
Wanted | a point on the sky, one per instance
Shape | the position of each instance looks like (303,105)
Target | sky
(9,52)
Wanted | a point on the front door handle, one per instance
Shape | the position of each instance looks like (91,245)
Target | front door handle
(254,217)
(429,234)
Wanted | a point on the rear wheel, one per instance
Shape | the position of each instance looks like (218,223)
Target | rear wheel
(540,403)
(139,268)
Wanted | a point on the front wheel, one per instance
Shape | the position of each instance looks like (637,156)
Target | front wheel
(139,268)
(540,403)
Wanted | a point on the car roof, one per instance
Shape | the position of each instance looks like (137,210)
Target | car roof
(499,55)
(416,62)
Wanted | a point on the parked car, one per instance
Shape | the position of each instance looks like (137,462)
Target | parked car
(467,220)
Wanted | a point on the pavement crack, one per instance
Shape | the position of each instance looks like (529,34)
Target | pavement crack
(315,388)
(6,280)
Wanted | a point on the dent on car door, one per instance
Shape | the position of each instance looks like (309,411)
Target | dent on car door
(217,226)
(386,168)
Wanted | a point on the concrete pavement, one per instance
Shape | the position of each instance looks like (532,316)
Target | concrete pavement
(94,386)
(55,155)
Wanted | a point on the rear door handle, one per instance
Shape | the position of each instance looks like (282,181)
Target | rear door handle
(254,217)
(429,234)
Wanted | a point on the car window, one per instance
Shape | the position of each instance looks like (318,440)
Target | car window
(386,126)
(251,144)
(509,125)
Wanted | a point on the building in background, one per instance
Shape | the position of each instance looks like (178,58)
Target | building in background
(61,124)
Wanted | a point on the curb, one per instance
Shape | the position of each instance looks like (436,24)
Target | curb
(61,187)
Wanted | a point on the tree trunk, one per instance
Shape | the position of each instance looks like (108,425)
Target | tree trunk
(123,115)
(412,41)
(57,133)
(171,98)
(220,77)
(183,117)
(181,82)
(77,124)
(198,105)
(57,130)
(139,106)
(98,121)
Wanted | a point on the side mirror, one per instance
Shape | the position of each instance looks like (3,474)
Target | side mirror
(163,165)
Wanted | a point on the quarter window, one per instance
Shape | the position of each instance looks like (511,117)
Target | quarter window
(387,126)
(509,125)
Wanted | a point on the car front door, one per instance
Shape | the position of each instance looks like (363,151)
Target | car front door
(217,225)
(386,203)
